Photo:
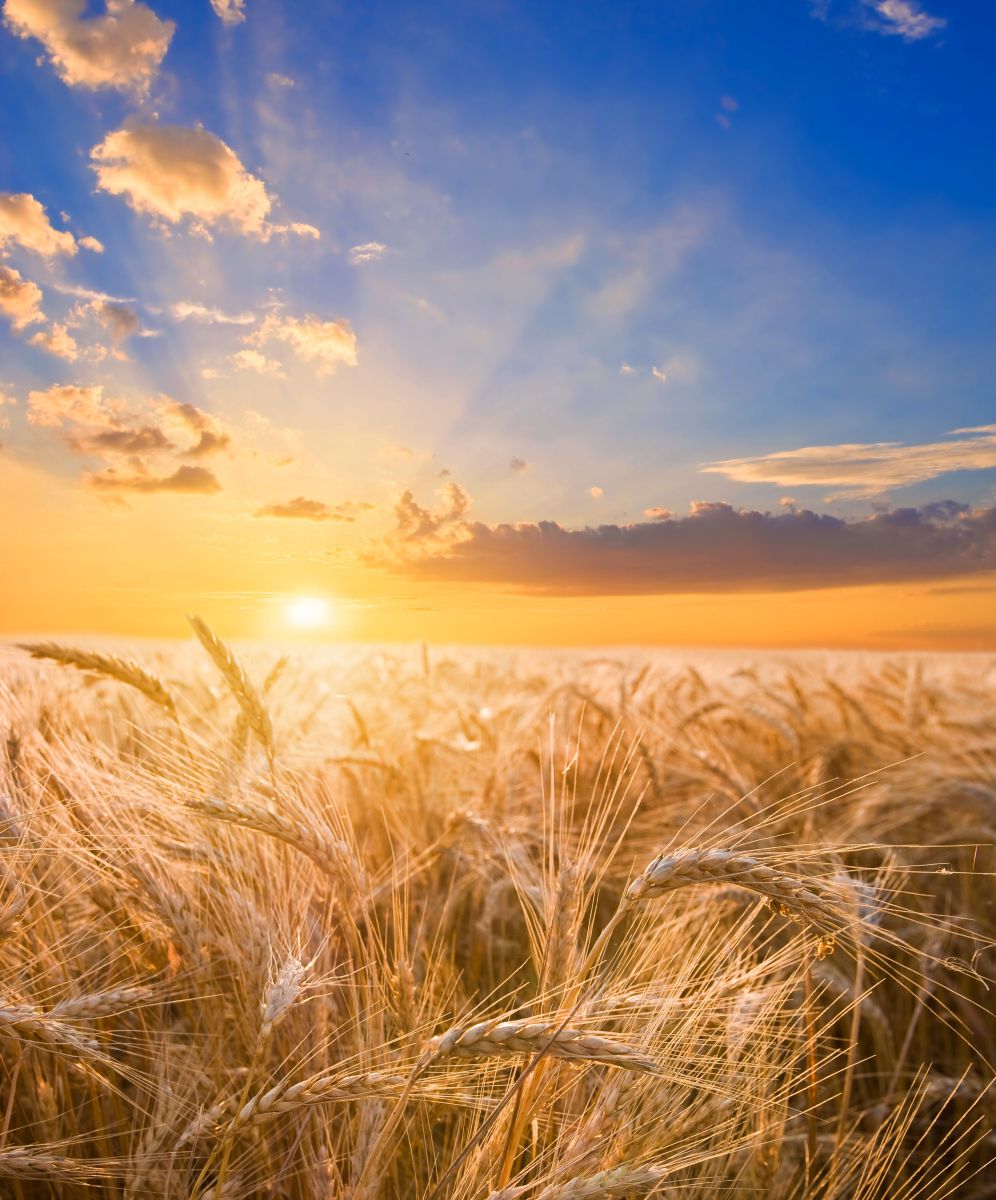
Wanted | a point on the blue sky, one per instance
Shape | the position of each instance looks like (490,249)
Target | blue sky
(611,243)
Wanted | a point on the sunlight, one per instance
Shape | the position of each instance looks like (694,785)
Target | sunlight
(308,612)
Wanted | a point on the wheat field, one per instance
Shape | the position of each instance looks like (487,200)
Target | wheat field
(385,923)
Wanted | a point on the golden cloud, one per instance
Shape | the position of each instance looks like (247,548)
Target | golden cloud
(122,48)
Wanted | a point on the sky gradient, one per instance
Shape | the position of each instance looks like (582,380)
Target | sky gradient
(645,322)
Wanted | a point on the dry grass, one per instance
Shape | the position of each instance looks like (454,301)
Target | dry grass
(485,925)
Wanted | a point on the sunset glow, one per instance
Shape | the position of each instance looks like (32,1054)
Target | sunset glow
(513,330)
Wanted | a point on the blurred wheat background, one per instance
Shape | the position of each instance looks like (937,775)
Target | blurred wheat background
(416,923)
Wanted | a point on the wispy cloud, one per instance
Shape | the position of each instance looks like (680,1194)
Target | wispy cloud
(716,548)
(367,252)
(121,48)
(304,509)
(189,310)
(231,12)
(865,469)
(326,345)
(904,18)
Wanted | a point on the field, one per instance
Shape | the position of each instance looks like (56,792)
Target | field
(454,924)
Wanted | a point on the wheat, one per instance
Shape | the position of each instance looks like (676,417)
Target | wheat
(248,696)
(795,898)
(124,670)
(503,1037)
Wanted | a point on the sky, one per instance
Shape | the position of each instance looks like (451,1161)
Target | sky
(488,321)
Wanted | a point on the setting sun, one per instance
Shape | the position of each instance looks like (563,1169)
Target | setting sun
(308,612)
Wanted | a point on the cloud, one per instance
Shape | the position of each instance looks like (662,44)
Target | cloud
(144,440)
(626,369)
(715,549)
(518,465)
(56,339)
(176,174)
(659,374)
(865,469)
(325,344)
(232,12)
(121,48)
(187,310)
(119,320)
(275,79)
(193,480)
(253,360)
(367,252)
(301,508)
(596,493)
(69,402)
(20,299)
(24,222)
(657,513)
(903,18)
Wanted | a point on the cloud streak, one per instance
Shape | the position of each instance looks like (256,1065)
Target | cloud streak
(716,548)
(303,509)
(865,469)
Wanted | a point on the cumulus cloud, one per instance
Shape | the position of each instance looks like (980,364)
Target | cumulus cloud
(120,48)
(69,402)
(326,345)
(301,508)
(175,174)
(24,222)
(657,513)
(20,299)
(56,339)
(865,469)
(232,12)
(196,480)
(148,444)
(367,252)
(714,549)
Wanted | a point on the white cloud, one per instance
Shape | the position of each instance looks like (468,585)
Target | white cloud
(232,12)
(626,369)
(325,344)
(188,310)
(904,18)
(865,469)
(176,174)
(367,252)
(24,222)
(121,48)
(20,299)
(659,374)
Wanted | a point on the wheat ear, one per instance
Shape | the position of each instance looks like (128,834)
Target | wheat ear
(124,670)
(792,897)
(249,697)
(529,1036)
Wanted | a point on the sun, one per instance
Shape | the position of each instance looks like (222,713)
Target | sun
(308,612)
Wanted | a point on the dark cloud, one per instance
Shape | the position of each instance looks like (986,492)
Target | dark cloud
(715,549)
(184,479)
(301,508)
(518,464)
(211,441)
(118,319)
(144,440)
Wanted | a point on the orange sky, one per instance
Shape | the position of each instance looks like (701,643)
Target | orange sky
(77,566)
